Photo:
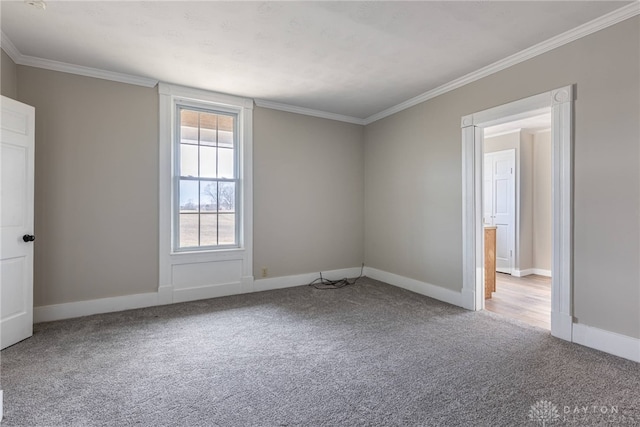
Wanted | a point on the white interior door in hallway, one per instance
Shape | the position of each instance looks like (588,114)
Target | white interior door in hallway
(499,204)
(17,148)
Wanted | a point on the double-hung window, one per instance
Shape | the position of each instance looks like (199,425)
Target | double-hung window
(205,194)
(206,187)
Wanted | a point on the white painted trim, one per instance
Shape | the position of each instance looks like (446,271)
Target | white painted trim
(561,103)
(206,292)
(532,106)
(308,112)
(541,272)
(562,207)
(522,273)
(200,95)
(9,48)
(591,27)
(472,253)
(423,288)
(170,95)
(79,70)
(70,310)
(609,342)
(597,24)
(1,405)
(303,279)
(561,325)
(530,271)
(167,295)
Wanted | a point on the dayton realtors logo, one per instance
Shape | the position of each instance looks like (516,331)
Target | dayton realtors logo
(544,413)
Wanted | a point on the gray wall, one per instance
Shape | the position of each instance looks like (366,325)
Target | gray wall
(308,194)
(413,198)
(96,195)
(542,198)
(96,182)
(97,189)
(413,194)
(526,211)
(9,76)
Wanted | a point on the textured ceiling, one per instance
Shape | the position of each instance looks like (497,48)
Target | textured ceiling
(349,58)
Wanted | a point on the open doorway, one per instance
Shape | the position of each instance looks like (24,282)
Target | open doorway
(560,101)
(517,205)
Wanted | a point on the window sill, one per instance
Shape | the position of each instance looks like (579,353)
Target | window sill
(208,255)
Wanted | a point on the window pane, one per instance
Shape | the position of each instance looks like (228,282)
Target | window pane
(208,229)
(188,230)
(209,196)
(188,196)
(225,163)
(207,162)
(206,214)
(208,126)
(188,126)
(227,196)
(188,160)
(225,131)
(227,229)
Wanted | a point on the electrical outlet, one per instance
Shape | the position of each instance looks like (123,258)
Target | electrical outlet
(265,272)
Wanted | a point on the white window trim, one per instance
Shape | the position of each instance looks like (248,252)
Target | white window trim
(170,95)
(181,102)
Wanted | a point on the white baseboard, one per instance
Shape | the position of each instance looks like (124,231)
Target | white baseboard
(302,279)
(530,271)
(609,342)
(423,288)
(541,272)
(206,292)
(69,310)
(168,295)
(521,273)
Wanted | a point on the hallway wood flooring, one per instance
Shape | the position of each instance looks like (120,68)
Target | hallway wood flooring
(527,299)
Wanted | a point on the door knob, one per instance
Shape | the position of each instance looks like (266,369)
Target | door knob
(28,237)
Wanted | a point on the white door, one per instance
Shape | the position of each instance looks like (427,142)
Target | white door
(17,147)
(499,205)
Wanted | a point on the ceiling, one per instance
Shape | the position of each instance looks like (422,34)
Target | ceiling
(531,124)
(354,59)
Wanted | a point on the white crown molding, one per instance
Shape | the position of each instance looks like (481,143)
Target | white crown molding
(308,112)
(9,47)
(64,67)
(591,27)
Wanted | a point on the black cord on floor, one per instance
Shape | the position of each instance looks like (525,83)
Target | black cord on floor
(322,283)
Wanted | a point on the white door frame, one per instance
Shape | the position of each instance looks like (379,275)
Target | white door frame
(561,103)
